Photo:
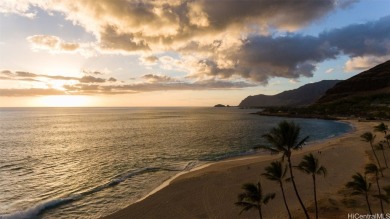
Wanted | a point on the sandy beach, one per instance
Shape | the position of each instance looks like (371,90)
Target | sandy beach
(210,192)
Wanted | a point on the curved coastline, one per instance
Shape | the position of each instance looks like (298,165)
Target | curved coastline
(215,167)
(238,157)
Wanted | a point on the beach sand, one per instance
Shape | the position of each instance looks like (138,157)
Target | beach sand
(210,192)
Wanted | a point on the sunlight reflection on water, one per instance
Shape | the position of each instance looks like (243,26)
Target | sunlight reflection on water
(89,162)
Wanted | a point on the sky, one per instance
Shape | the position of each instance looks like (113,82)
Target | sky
(181,52)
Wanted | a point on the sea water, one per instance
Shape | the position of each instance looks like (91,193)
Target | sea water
(90,162)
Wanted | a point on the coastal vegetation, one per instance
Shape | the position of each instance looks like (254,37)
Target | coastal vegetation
(310,165)
(285,139)
(276,171)
(373,169)
(382,127)
(369,137)
(253,197)
(360,186)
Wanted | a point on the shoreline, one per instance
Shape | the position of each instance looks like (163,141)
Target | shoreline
(239,157)
(209,169)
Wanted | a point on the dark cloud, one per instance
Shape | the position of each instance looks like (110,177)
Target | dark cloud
(292,56)
(113,39)
(145,25)
(280,14)
(372,38)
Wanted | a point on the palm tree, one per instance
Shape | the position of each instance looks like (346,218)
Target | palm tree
(382,148)
(373,169)
(284,139)
(253,197)
(310,165)
(360,186)
(277,172)
(369,137)
(383,128)
(385,197)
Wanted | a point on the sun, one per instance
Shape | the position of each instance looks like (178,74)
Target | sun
(64,101)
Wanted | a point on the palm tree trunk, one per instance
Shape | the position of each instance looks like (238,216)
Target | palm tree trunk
(380,194)
(387,140)
(384,157)
(377,160)
(315,194)
(285,202)
(368,204)
(295,187)
(260,214)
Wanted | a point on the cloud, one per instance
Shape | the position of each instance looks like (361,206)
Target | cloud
(52,43)
(89,85)
(87,89)
(113,39)
(217,40)
(138,25)
(329,70)
(260,58)
(293,81)
(91,79)
(111,79)
(362,63)
(6,72)
(155,78)
(371,38)
(25,74)
(20,7)
(22,75)
(30,92)
(149,60)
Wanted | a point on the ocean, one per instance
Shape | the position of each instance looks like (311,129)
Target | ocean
(90,162)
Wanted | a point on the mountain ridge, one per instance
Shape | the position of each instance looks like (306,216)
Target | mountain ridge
(373,81)
(302,96)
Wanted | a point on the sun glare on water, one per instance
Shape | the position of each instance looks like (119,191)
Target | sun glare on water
(64,101)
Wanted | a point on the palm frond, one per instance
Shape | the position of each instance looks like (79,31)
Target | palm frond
(275,171)
(382,197)
(359,184)
(268,197)
(301,143)
(368,137)
(322,171)
(246,206)
(268,148)
(371,168)
(387,190)
(382,127)
(311,165)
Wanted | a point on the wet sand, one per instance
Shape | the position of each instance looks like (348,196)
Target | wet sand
(210,191)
